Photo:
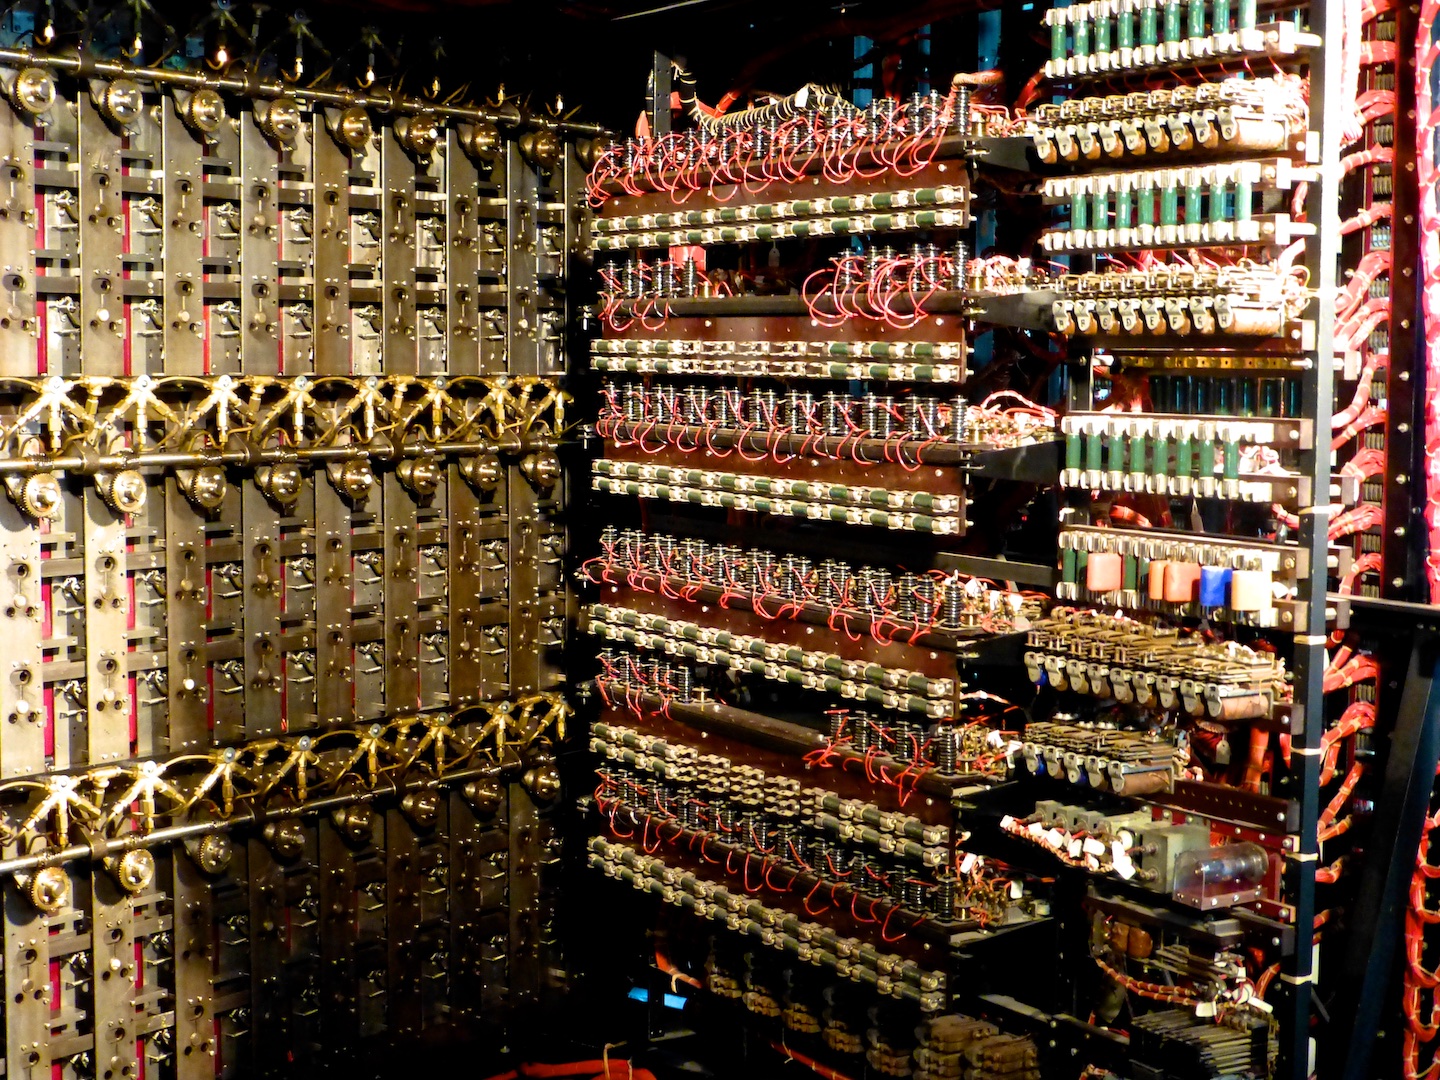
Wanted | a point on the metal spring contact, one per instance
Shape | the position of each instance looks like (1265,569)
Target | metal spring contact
(952,602)
(944,740)
(880,416)
(960,261)
(942,900)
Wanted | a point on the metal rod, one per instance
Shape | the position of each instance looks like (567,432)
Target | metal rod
(1322,258)
(269,456)
(381,100)
(104,847)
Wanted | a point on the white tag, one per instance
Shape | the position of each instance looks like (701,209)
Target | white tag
(1035,829)
(1120,860)
(1055,838)
(967,864)
(1259,1003)
(1007,822)
(994,740)
(1093,846)
(1016,890)
(1076,846)
(1205,1009)
(802,96)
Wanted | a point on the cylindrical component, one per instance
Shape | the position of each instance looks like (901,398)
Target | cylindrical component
(1220,876)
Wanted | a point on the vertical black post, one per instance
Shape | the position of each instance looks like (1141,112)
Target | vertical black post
(1378,923)
(1309,623)
(661,84)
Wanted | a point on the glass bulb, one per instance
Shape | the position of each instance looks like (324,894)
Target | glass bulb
(47,35)
(221,55)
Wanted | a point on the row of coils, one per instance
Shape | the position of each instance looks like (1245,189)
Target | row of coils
(951,601)
(791,412)
(764,816)
(926,267)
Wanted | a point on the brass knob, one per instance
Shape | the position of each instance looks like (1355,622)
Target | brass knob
(279,483)
(39,496)
(484,796)
(49,890)
(482,142)
(286,839)
(421,807)
(205,486)
(134,871)
(542,469)
(542,780)
(419,135)
(353,479)
(482,473)
(124,491)
(280,119)
(352,128)
(419,475)
(356,822)
(203,111)
(120,101)
(33,91)
(542,148)
(211,853)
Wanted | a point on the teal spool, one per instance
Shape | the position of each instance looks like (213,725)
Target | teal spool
(1172,21)
(1150,23)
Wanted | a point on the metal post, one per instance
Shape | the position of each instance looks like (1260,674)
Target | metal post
(1322,257)
(1378,921)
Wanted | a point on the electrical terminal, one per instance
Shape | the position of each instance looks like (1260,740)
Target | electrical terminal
(869,594)
(894,361)
(945,207)
(1184,456)
(1202,205)
(1246,115)
(782,497)
(1125,845)
(1118,37)
(1102,757)
(1110,656)
(1243,582)
(850,958)
(1179,299)
(872,683)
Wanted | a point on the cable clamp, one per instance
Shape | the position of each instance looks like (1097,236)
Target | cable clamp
(1311,639)
(1306,751)
(1298,980)
(1303,856)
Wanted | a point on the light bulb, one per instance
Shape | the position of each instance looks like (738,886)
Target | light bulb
(222,56)
(138,45)
(369,75)
(48,34)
